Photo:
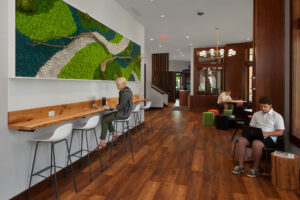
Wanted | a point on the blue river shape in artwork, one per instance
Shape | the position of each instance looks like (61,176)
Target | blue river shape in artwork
(29,59)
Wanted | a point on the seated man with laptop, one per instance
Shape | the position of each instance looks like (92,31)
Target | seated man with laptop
(265,126)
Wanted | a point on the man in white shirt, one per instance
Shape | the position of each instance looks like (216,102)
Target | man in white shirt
(272,126)
(224,98)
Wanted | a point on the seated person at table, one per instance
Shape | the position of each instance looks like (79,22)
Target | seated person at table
(272,126)
(224,98)
(124,110)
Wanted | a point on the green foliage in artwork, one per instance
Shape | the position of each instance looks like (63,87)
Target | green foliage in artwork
(118,37)
(133,66)
(88,22)
(26,5)
(112,72)
(127,51)
(85,62)
(44,19)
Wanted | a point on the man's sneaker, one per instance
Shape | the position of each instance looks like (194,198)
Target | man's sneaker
(253,173)
(237,170)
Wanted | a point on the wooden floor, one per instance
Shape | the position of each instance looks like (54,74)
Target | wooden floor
(180,160)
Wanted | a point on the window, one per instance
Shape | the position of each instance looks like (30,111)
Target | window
(178,81)
(209,80)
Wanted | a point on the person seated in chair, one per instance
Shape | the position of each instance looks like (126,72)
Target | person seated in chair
(272,126)
(224,98)
(124,110)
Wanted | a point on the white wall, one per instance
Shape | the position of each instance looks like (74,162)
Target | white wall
(178,65)
(15,150)
(148,61)
(192,72)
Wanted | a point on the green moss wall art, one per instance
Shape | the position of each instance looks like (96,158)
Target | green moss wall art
(55,40)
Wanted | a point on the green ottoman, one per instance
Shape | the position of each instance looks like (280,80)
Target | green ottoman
(227,112)
(208,118)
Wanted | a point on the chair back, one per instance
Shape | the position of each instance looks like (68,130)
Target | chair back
(137,108)
(239,113)
(148,105)
(92,122)
(61,132)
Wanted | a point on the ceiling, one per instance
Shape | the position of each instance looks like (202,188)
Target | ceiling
(233,17)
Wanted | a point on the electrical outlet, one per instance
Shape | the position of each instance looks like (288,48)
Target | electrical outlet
(51,113)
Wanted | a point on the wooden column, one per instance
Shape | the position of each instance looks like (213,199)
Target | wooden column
(160,70)
(269,28)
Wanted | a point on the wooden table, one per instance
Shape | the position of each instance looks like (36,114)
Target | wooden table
(285,172)
(32,119)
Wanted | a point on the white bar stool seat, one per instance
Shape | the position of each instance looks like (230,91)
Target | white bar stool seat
(88,127)
(127,128)
(60,135)
(147,112)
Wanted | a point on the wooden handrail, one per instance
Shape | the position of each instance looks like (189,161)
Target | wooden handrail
(158,89)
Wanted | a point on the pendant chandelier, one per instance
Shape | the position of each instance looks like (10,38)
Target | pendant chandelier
(215,55)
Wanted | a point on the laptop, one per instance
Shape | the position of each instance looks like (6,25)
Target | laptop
(252,132)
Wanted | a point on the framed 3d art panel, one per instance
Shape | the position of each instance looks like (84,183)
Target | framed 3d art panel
(55,40)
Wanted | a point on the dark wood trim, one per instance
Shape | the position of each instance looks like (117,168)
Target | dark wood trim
(292,138)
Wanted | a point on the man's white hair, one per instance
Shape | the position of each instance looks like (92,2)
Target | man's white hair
(121,80)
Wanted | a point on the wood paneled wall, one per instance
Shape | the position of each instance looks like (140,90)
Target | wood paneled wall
(160,70)
(269,28)
(236,76)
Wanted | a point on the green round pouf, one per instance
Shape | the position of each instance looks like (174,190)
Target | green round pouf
(227,112)
(208,118)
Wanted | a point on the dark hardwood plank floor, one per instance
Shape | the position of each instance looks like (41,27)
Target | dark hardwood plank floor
(180,160)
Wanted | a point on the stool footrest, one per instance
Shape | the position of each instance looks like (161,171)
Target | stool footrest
(42,170)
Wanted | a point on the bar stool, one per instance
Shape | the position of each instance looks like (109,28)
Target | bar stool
(147,112)
(59,135)
(89,127)
(137,121)
(127,127)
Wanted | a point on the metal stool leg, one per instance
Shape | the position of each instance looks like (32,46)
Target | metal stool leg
(111,147)
(33,163)
(150,120)
(136,128)
(139,123)
(54,163)
(130,140)
(98,151)
(124,138)
(81,144)
(235,132)
(51,165)
(69,159)
(88,153)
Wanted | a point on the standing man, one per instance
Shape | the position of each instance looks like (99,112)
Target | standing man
(272,126)
(124,110)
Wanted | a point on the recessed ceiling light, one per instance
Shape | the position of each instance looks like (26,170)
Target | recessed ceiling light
(182,55)
(191,44)
(151,0)
(151,39)
(162,16)
(187,37)
(178,50)
(200,13)
(160,46)
(248,39)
